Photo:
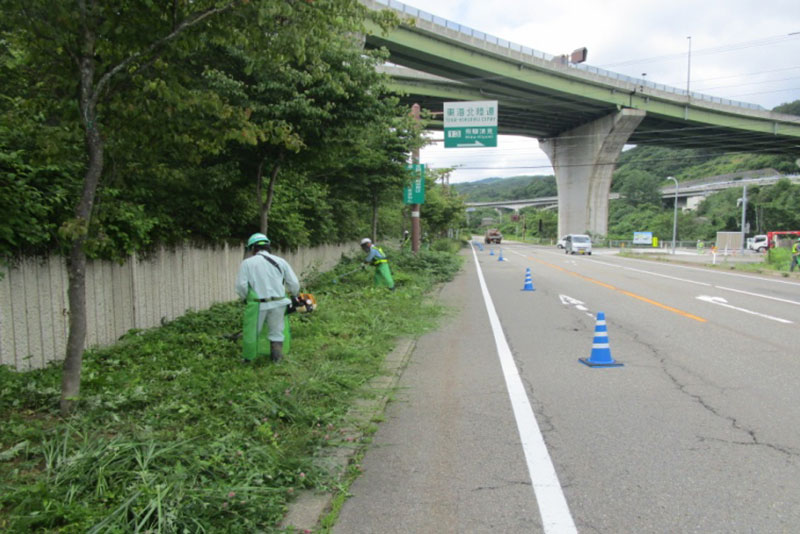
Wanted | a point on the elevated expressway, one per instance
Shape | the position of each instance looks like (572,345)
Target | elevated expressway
(581,115)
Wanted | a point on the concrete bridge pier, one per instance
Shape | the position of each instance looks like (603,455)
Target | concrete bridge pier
(584,159)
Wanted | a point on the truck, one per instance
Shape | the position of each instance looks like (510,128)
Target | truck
(493,235)
(782,238)
(778,238)
(759,242)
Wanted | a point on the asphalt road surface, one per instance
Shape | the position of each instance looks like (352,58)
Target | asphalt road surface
(698,431)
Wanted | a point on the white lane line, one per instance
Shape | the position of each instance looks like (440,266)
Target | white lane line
(723,273)
(719,301)
(654,274)
(553,508)
(787,301)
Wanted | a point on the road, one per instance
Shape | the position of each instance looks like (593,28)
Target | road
(697,431)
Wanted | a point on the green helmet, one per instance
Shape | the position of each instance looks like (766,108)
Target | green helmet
(257,239)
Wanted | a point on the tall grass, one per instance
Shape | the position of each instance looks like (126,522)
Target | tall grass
(174,434)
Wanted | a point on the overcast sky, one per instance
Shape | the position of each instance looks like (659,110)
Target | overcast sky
(743,50)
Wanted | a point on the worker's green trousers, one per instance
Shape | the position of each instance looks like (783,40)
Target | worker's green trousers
(383,276)
(255,340)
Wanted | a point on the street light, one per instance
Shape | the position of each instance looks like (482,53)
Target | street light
(689,67)
(675,216)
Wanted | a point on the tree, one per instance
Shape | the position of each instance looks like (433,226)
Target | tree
(86,50)
(640,187)
(792,108)
(444,208)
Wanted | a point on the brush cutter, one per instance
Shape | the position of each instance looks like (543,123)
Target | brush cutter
(348,273)
(304,303)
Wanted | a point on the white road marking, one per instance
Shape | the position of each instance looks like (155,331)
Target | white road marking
(787,301)
(724,303)
(553,508)
(723,273)
(655,274)
(569,301)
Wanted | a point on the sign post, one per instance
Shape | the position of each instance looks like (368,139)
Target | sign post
(416,226)
(470,124)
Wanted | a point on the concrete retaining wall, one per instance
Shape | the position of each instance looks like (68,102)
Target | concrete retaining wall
(141,293)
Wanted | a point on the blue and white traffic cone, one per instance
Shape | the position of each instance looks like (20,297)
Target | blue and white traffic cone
(491,252)
(601,352)
(528,281)
(501,256)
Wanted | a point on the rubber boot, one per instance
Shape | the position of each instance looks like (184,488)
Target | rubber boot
(276,350)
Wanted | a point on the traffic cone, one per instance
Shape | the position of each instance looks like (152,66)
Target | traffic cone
(601,353)
(491,252)
(501,256)
(528,282)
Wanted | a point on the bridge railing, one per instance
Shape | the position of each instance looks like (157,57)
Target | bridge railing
(470,32)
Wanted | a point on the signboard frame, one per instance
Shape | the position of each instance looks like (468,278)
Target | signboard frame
(415,192)
(470,124)
(642,238)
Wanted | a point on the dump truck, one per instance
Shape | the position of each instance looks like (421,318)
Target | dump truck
(493,235)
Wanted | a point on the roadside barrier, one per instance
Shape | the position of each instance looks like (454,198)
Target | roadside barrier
(601,351)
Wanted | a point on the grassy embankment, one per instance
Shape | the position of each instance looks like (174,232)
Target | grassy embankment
(174,434)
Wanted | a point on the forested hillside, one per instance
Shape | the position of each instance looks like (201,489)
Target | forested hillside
(641,167)
(515,187)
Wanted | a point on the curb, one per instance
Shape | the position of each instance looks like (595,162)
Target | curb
(305,512)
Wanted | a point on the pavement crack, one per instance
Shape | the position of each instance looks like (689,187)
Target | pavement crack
(751,440)
(506,484)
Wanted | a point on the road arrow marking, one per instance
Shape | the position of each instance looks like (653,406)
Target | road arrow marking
(569,301)
(719,301)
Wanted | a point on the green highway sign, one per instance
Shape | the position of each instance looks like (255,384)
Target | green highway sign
(415,193)
(470,124)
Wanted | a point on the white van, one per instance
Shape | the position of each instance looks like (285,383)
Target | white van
(578,244)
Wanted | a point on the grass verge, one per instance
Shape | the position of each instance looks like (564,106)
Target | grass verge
(173,434)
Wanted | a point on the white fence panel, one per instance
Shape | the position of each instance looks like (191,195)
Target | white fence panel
(141,293)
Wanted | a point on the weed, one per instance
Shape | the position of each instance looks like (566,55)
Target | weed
(173,434)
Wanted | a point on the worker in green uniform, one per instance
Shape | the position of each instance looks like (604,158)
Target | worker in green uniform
(376,257)
(262,282)
(795,254)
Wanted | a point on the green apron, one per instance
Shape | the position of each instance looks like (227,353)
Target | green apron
(255,343)
(383,275)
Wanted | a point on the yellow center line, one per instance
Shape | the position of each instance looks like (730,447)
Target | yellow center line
(624,292)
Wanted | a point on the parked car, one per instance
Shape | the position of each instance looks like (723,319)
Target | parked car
(578,244)
(562,242)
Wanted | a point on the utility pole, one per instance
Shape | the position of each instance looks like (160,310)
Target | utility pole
(744,216)
(675,214)
(415,222)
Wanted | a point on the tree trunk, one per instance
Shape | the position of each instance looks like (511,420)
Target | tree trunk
(374,236)
(76,266)
(89,94)
(267,204)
